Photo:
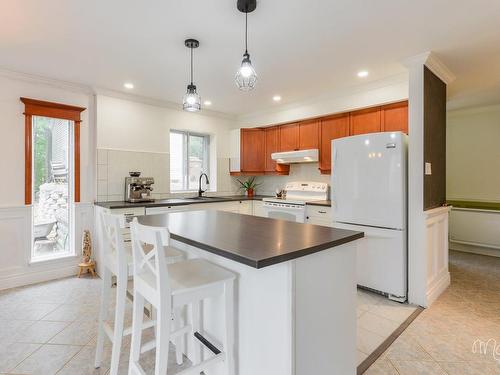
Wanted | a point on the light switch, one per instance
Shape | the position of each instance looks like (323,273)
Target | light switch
(428,169)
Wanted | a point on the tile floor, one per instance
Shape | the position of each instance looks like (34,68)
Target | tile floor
(50,328)
(378,318)
(440,340)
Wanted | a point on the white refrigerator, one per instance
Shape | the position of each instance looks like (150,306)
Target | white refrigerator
(369,194)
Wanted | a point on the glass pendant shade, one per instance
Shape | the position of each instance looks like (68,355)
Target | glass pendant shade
(245,76)
(191,101)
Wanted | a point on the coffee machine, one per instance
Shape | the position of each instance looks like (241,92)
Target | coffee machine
(138,189)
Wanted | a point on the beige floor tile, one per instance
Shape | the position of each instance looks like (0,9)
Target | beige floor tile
(377,324)
(13,354)
(382,367)
(39,332)
(368,341)
(83,363)
(397,313)
(47,360)
(406,348)
(10,328)
(70,313)
(471,368)
(26,311)
(418,368)
(76,333)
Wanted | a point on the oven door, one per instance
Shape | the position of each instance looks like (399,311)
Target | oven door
(286,212)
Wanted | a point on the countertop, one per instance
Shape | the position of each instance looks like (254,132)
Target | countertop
(493,206)
(255,241)
(186,201)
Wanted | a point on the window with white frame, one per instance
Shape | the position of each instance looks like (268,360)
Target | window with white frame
(189,154)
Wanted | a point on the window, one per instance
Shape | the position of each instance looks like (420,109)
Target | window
(52,175)
(188,159)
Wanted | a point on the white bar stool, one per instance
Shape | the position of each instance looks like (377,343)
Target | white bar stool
(174,286)
(117,260)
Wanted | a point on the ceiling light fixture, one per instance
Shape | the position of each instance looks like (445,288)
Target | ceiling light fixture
(245,76)
(207,102)
(128,85)
(191,101)
(276,98)
(363,74)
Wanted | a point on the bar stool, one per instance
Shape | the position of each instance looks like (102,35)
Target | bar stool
(169,287)
(117,260)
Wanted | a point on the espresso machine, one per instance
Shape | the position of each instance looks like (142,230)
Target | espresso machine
(138,189)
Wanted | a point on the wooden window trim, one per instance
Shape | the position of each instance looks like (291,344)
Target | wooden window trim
(33,107)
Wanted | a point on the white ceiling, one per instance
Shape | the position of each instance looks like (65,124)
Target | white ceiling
(299,48)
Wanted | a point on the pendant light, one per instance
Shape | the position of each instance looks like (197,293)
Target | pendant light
(245,76)
(191,101)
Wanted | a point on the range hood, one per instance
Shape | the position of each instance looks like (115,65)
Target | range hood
(302,156)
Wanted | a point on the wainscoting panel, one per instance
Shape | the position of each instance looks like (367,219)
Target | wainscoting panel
(438,275)
(15,243)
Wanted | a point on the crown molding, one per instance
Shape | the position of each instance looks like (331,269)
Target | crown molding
(398,79)
(431,61)
(56,83)
(159,103)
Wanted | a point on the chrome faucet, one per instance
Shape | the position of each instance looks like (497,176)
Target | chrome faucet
(200,192)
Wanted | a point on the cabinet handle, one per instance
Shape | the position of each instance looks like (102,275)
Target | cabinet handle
(307,217)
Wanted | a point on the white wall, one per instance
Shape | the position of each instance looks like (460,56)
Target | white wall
(136,135)
(15,217)
(473,154)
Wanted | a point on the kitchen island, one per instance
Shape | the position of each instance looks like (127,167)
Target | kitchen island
(295,291)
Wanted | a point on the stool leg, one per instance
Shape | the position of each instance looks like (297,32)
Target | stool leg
(229,327)
(195,323)
(162,340)
(103,313)
(179,341)
(137,320)
(121,296)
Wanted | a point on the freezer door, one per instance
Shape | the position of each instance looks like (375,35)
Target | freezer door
(381,259)
(369,180)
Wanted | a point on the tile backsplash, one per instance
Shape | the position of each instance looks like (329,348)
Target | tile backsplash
(114,165)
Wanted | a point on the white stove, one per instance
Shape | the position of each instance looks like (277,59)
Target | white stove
(293,206)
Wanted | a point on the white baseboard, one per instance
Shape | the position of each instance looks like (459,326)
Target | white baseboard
(473,249)
(21,279)
(438,287)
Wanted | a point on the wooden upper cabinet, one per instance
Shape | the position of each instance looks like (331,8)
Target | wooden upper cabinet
(309,134)
(394,117)
(331,128)
(289,137)
(272,145)
(365,121)
(253,147)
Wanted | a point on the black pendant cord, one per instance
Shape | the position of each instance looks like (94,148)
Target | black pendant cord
(191,66)
(246,33)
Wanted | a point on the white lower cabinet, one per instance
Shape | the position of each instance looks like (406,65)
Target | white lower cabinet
(258,209)
(319,215)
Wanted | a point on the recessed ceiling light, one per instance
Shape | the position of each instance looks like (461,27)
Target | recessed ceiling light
(207,102)
(128,85)
(363,74)
(276,98)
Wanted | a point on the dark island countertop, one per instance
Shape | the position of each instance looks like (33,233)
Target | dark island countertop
(255,241)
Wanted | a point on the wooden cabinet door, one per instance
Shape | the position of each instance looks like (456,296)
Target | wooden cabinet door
(308,135)
(289,137)
(331,128)
(395,117)
(272,145)
(365,121)
(253,150)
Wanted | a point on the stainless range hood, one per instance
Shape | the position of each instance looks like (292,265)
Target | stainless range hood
(290,157)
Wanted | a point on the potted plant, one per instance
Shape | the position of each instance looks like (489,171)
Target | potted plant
(249,186)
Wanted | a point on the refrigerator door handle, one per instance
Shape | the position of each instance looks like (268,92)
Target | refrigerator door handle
(334,201)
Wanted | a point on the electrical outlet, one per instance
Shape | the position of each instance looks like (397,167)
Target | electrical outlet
(428,169)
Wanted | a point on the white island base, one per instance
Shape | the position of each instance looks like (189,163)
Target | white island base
(297,317)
